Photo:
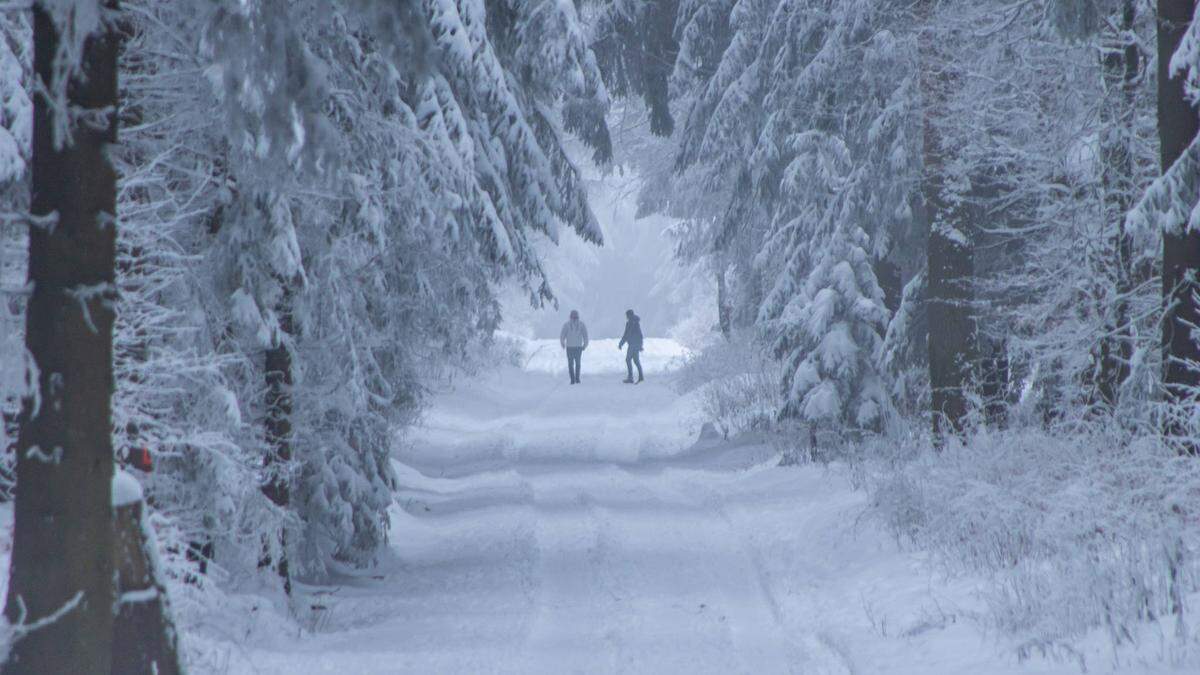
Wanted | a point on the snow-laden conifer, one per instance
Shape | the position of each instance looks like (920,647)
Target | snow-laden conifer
(808,121)
(347,194)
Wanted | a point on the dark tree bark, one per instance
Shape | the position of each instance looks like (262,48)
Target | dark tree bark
(1177,127)
(63,535)
(994,382)
(278,370)
(949,252)
(952,334)
(661,49)
(888,275)
(724,306)
(1121,65)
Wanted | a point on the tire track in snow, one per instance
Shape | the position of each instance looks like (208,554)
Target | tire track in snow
(669,586)
(627,574)
(665,619)
(818,654)
(570,630)
(759,637)
(629,583)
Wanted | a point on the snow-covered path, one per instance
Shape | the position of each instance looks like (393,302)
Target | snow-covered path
(626,571)
(634,578)
(546,528)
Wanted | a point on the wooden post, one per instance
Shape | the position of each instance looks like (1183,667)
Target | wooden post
(144,637)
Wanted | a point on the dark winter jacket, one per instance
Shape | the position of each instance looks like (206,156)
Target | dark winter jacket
(633,333)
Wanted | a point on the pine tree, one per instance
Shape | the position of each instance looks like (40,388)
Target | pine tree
(319,215)
(635,44)
(347,236)
(1041,178)
(808,119)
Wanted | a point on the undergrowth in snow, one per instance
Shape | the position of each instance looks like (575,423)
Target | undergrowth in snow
(1079,537)
(738,385)
(1087,543)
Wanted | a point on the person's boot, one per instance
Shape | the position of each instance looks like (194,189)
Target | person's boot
(628,380)
(640,379)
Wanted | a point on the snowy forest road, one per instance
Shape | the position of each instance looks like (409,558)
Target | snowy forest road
(633,578)
(626,571)
(548,528)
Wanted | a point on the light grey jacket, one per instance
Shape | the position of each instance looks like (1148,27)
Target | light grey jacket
(574,334)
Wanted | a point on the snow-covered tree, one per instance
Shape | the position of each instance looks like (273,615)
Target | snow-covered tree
(185,393)
(302,263)
(805,125)
(830,334)
(1043,176)
(844,199)
(636,44)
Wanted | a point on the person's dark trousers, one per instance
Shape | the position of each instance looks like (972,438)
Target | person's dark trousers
(632,357)
(574,358)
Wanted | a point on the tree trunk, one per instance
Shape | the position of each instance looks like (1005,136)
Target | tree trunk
(949,253)
(952,349)
(887,273)
(63,535)
(1177,127)
(144,637)
(994,382)
(724,306)
(279,427)
(1121,64)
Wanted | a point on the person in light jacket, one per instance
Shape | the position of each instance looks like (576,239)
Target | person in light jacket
(574,339)
(632,337)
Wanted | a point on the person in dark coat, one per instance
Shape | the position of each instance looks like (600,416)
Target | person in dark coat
(633,338)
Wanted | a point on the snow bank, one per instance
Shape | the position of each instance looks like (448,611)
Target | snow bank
(603,356)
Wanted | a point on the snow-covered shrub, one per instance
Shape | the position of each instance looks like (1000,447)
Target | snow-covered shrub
(1075,534)
(738,383)
(503,349)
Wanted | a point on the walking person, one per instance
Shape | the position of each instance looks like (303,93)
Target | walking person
(574,339)
(632,337)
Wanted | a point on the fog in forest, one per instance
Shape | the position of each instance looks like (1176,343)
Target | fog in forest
(636,268)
